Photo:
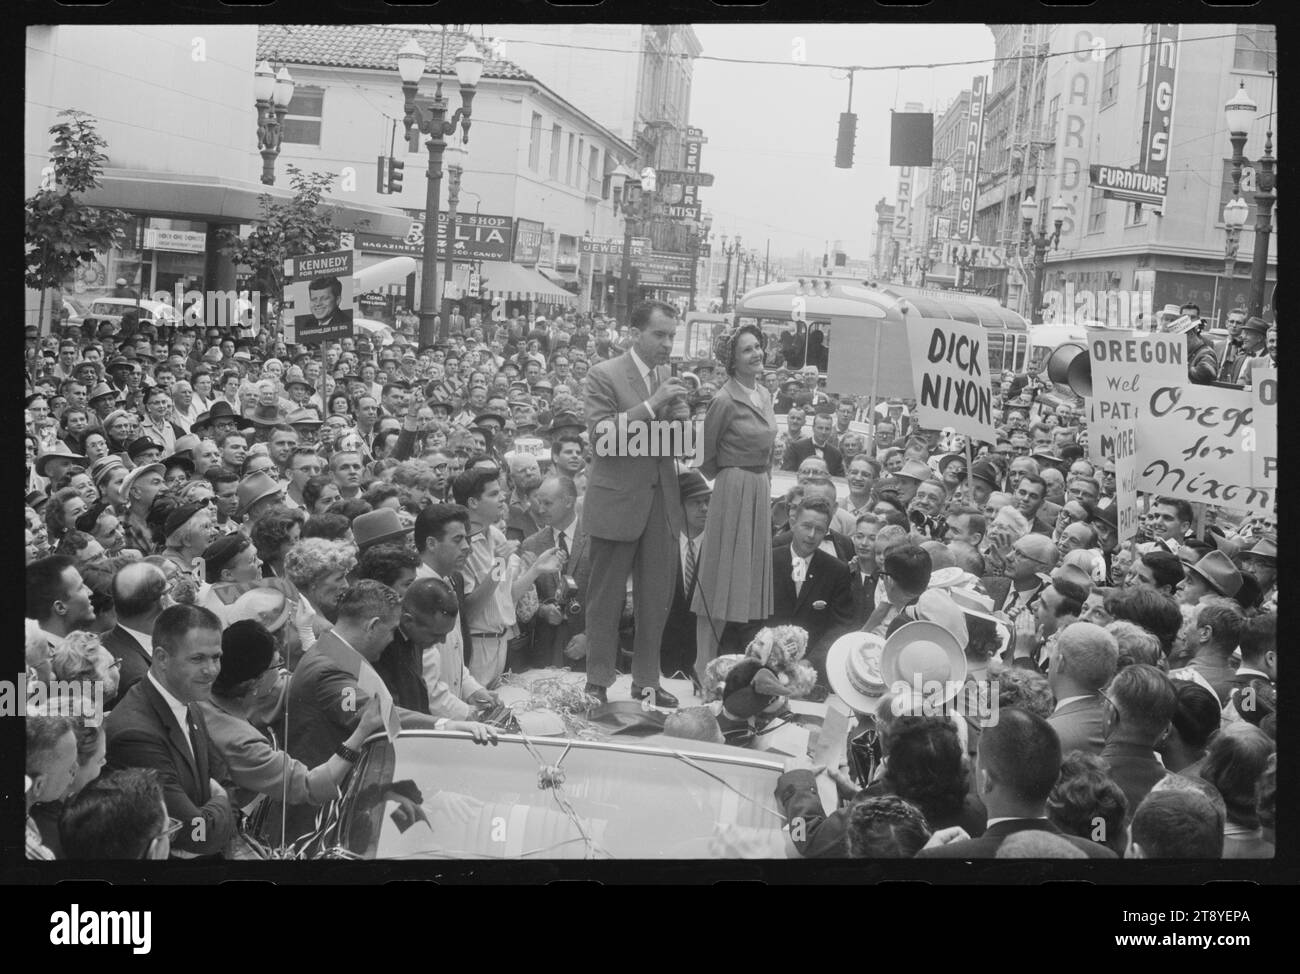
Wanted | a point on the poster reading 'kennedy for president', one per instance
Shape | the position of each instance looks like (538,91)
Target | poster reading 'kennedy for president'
(318,297)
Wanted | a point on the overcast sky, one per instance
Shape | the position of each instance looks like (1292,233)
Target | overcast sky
(772,129)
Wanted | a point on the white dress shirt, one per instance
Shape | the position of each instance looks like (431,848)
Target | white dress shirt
(179,711)
(799,570)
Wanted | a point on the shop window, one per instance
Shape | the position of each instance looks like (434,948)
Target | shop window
(303,121)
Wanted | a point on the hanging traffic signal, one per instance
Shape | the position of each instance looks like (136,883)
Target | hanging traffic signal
(395,167)
(381,175)
(848,135)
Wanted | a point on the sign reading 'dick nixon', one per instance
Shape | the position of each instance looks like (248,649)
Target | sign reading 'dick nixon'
(318,297)
(1196,442)
(950,370)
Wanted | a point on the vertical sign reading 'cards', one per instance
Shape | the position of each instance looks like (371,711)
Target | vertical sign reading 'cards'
(318,297)
(950,370)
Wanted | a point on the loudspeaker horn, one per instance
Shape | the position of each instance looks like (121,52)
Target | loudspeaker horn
(1070,365)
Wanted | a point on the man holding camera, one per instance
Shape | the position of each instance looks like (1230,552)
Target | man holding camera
(559,637)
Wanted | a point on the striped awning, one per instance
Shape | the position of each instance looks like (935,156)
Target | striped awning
(514,282)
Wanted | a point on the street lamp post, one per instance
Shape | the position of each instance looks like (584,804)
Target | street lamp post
(632,192)
(698,236)
(728,252)
(454,156)
(1234,218)
(1040,242)
(433,122)
(272,92)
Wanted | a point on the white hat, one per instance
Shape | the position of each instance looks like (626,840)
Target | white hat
(925,652)
(265,605)
(853,669)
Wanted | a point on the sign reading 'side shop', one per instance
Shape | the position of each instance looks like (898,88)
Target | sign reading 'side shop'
(318,297)
(950,370)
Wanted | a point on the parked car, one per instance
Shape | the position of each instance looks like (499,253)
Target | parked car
(438,795)
(112,309)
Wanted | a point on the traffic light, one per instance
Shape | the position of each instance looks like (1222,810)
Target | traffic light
(395,168)
(381,175)
(848,135)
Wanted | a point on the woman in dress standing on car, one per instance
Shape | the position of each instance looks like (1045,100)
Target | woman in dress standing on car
(734,580)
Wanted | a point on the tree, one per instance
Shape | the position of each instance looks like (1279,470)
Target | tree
(62,232)
(287,228)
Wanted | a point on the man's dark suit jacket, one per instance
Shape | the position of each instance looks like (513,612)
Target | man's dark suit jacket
(800,450)
(864,593)
(402,668)
(843,544)
(677,648)
(828,581)
(520,523)
(142,732)
(135,661)
(1135,769)
(823,836)
(549,641)
(1079,725)
(986,845)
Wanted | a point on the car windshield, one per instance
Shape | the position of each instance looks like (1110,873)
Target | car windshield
(441,796)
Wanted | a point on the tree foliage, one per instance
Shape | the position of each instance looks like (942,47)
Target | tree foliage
(62,232)
(286,228)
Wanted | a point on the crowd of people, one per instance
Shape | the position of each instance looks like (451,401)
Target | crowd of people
(225,527)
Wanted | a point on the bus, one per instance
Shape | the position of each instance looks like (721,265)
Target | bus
(853,332)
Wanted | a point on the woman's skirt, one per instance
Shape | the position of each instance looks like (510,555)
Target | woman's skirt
(734,578)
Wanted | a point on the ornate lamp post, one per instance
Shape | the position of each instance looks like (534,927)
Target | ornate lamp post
(454,157)
(697,240)
(1040,242)
(630,203)
(728,252)
(1234,218)
(272,92)
(433,122)
(1239,113)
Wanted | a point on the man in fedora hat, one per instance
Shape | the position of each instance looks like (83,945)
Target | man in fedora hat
(1261,561)
(1214,574)
(257,492)
(1202,363)
(381,526)
(1253,333)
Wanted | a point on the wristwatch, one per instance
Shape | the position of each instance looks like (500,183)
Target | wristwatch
(348,754)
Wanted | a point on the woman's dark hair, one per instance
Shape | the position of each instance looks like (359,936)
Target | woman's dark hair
(330,526)
(1154,611)
(313,488)
(247,649)
(1198,714)
(1084,797)
(386,562)
(733,340)
(886,827)
(352,509)
(925,765)
(1234,765)
(984,640)
(270,532)
(338,394)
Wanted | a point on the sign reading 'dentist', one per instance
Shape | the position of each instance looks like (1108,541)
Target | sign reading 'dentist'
(318,297)
(950,370)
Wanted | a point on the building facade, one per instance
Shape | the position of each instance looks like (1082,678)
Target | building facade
(538,166)
(183,159)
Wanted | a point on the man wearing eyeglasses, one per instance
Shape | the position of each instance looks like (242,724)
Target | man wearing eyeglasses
(1032,558)
(121,815)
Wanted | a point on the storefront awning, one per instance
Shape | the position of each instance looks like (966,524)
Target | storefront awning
(214,198)
(514,282)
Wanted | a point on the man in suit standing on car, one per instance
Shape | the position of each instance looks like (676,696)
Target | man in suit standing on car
(632,510)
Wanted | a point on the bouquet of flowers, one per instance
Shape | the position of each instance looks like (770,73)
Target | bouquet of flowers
(781,649)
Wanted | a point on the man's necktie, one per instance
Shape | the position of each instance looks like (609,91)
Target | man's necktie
(798,572)
(564,546)
(692,563)
(652,380)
